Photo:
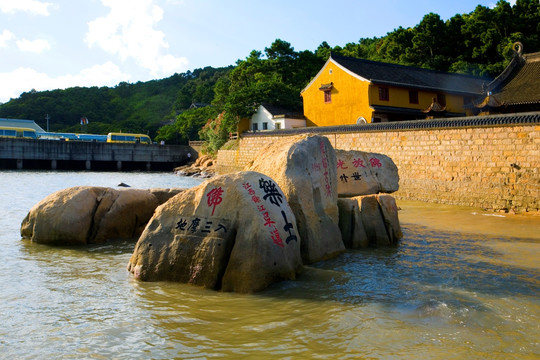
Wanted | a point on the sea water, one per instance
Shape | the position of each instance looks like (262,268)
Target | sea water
(462,284)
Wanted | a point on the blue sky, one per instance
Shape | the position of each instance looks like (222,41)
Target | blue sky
(52,44)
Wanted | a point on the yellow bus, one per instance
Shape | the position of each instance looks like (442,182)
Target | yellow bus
(128,138)
(13,132)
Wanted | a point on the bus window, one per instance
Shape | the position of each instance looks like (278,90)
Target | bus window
(29,134)
(18,132)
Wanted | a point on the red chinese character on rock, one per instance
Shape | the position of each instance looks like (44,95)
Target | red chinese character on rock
(214,198)
(375,162)
(358,163)
(341,164)
(267,219)
(276,238)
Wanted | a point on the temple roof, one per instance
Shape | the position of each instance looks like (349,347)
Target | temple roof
(281,112)
(434,107)
(518,84)
(410,77)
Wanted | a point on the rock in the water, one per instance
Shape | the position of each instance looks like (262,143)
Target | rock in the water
(389,210)
(203,167)
(305,168)
(235,232)
(369,221)
(85,214)
(363,173)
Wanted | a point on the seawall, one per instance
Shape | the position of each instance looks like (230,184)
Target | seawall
(490,162)
(88,155)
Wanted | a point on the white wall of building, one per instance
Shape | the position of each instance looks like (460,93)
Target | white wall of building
(263,120)
(261,117)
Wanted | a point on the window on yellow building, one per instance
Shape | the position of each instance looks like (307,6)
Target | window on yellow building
(327,96)
(441,99)
(384,94)
(413,97)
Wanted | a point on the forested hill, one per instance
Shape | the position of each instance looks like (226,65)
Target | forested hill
(141,107)
(478,43)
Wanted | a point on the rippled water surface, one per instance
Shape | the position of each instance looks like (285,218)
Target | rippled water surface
(462,285)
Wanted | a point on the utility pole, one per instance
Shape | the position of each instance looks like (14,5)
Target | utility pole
(47,117)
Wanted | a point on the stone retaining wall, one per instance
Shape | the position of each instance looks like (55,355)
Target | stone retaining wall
(491,167)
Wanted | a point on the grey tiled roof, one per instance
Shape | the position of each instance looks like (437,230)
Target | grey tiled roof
(411,77)
(522,84)
(278,111)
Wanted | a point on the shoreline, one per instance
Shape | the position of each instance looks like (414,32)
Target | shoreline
(464,219)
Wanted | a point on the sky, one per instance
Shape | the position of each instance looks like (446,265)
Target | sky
(56,44)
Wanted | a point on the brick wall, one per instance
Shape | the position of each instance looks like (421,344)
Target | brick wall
(495,167)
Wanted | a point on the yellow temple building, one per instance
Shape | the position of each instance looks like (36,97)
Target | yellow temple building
(354,91)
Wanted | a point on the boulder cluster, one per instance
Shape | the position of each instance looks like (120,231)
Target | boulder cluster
(92,215)
(299,202)
(203,167)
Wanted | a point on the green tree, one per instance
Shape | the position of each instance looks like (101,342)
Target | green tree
(392,48)
(187,125)
(427,44)
(216,132)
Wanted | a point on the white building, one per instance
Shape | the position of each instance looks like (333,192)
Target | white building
(270,117)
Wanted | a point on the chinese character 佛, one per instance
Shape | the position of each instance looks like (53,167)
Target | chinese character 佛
(214,198)
(375,162)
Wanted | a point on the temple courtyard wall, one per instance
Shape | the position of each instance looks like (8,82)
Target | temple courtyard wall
(491,166)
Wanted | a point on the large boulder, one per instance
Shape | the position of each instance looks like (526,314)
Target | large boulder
(164,194)
(85,215)
(305,168)
(235,232)
(370,220)
(363,173)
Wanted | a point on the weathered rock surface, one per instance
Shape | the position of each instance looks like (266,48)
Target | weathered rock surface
(234,232)
(203,167)
(85,215)
(369,220)
(163,194)
(305,168)
(363,173)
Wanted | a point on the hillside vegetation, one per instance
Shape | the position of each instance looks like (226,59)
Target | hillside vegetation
(478,43)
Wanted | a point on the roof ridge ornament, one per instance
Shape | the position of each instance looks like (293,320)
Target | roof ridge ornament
(518,48)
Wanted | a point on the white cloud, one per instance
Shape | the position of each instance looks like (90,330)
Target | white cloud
(6,36)
(31,6)
(35,46)
(128,31)
(25,79)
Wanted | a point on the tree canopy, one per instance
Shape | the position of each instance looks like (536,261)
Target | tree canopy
(478,43)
